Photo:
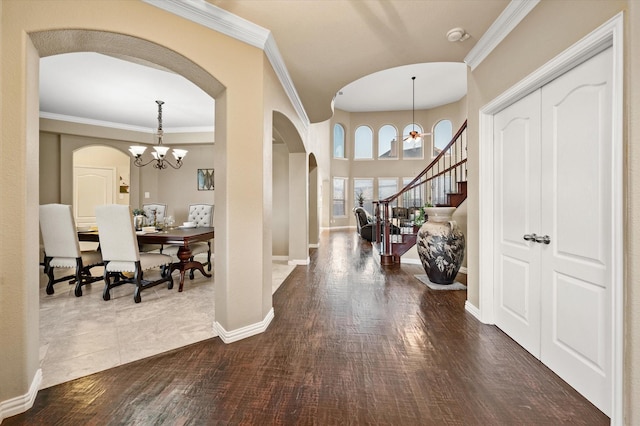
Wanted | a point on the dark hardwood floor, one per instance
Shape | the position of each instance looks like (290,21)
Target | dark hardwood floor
(350,343)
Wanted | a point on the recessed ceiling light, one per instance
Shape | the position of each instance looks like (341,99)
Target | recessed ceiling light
(457,34)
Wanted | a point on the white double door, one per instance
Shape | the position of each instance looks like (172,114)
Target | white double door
(553,226)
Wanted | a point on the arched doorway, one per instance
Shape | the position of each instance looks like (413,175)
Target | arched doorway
(290,153)
(62,41)
(314,213)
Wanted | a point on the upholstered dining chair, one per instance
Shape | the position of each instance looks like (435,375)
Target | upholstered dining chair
(152,211)
(120,252)
(201,215)
(62,249)
(155,210)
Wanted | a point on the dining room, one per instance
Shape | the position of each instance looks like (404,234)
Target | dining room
(81,335)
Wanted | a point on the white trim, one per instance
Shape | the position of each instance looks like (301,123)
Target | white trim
(472,310)
(121,126)
(280,258)
(299,261)
(243,332)
(22,403)
(218,19)
(498,31)
(609,34)
(410,261)
(315,245)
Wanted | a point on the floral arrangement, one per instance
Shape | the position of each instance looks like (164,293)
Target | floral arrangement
(139,212)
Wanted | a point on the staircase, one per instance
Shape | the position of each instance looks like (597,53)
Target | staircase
(442,183)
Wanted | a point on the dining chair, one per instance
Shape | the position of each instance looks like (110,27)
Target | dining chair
(62,248)
(121,255)
(157,211)
(201,215)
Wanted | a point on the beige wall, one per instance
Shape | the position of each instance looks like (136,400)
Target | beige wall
(280,223)
(176,188)
(550,28)
(386,168)
(232,72)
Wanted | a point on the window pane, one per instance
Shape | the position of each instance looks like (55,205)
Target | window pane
(364,143)
(440,187)
(387,142)
(364,187)
(338,196)
(442,134)
(413,197)
(338,141)
(387,188)
(412,148)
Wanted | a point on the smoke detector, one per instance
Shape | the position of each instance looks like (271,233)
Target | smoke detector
(457,34)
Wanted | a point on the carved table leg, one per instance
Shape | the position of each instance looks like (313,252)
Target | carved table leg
(184,254)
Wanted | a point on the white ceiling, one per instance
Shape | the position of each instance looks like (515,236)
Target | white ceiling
(392,90)
(367,50)
(97,89)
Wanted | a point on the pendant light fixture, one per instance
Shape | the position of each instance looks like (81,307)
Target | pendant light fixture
(414,135)
(159,154)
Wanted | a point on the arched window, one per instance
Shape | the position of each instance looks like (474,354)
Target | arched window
(364,143)
(387,142)
(338,141)
(412,148)
(442,134)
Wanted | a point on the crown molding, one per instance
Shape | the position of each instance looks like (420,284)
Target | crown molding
(511,16)
(121,126)
(217,19)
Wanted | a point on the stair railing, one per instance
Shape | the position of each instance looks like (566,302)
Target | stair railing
(438,179)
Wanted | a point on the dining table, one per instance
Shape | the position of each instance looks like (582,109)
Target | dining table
(181,236)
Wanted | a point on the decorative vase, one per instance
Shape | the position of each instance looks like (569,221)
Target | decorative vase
(138,222)
(440,245)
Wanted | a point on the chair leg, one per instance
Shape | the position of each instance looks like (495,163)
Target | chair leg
(137,275)
(166,273)
(106,295)
(79,282)
(209,257)
(49,271)
(191,273)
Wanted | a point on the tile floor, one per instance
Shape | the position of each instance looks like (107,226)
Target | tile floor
(83,335)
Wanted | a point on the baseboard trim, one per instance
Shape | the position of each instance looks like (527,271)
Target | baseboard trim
(21,403)
(410,261)
(463,270)
(315,245)
(243,332)
(472,310)
(292,261)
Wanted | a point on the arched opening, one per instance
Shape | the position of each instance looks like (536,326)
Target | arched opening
(137,50)
(291,192)
(314,213)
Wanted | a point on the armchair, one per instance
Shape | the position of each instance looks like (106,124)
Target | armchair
(366,225)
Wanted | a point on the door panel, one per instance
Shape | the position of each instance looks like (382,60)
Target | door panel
(92,186)
(517,212)
(576,200)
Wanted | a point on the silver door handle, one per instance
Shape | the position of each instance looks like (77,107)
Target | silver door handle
(530,237)
(545,239)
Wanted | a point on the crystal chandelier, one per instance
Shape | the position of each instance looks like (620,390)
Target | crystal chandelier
(159,159)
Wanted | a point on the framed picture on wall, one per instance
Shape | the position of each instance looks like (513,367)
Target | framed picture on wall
(205,180)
